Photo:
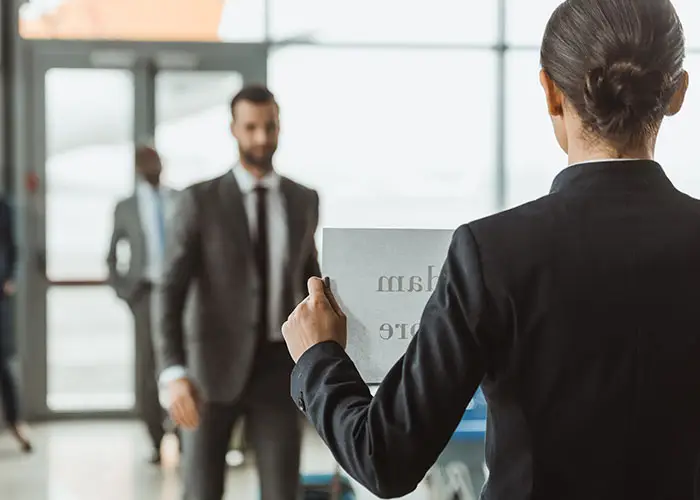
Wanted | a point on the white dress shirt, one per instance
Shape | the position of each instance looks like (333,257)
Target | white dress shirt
(603,160)
(153,203)
(277,237)
(278,241)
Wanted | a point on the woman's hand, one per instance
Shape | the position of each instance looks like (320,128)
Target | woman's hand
(317,319)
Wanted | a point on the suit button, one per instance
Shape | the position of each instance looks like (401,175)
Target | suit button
(300,403)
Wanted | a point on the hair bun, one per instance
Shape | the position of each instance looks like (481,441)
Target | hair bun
(623,97)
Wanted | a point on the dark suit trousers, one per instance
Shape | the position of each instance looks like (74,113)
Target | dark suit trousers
(273,427)
(9,393)
(8,388)
(152,413)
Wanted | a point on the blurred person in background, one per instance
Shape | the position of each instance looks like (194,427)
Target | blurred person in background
(241,251)
(577,313)
(8,386)
(140,223)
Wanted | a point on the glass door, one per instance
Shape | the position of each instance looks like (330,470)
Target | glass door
(89,140)
(89,113)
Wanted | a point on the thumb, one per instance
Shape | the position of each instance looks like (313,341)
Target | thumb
(331,297)
(317,288)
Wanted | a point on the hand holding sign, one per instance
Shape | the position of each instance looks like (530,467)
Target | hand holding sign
(317,319)
(382,278)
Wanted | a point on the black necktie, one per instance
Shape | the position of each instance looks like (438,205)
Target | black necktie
(262,262)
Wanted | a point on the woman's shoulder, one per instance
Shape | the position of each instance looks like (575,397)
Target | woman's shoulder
(512,241)
(516,219)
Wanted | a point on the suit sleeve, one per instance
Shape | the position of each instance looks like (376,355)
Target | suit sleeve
(311,266)
(112,274)
(389,442)
(182,261)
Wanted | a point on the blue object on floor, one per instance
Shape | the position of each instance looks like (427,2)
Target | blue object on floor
(460,471)
(472,427)
(318,487)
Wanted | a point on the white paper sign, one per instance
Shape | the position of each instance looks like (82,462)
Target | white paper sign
(382,279)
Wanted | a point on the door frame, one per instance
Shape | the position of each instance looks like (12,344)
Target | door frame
(144,60)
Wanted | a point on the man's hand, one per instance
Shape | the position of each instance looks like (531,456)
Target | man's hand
(183,403)
(317,319)
(8,288)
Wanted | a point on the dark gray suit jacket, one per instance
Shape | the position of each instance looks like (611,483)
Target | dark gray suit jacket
(128,227)
(209,293)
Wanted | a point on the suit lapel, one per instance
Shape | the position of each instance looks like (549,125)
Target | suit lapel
(234,211)
(295,217)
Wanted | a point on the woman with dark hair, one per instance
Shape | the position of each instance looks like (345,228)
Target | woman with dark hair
(578,313)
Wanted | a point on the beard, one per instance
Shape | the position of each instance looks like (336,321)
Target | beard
(261,161)
(152,178)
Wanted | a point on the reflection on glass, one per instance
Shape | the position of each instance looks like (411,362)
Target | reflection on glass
(533,157)
(154,20)
(676,149)
(193,116)
(390,21)
(89,166)
(90,350)
(402,138)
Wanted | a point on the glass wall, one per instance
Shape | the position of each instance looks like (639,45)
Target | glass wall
(194,105)
(384,21)
(89,168)
(532,155)
(392,109)
(388,136)
(676,148)
(526,21)
(395,118)
(385,108)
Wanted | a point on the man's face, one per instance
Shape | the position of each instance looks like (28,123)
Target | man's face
(150,166)
(256,128)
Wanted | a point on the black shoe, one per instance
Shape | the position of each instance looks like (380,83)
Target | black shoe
(155,458)
(27,447)
(24,443)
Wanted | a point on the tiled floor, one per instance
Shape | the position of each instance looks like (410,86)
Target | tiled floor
(106,461)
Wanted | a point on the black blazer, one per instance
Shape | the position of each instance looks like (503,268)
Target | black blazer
(580,315)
